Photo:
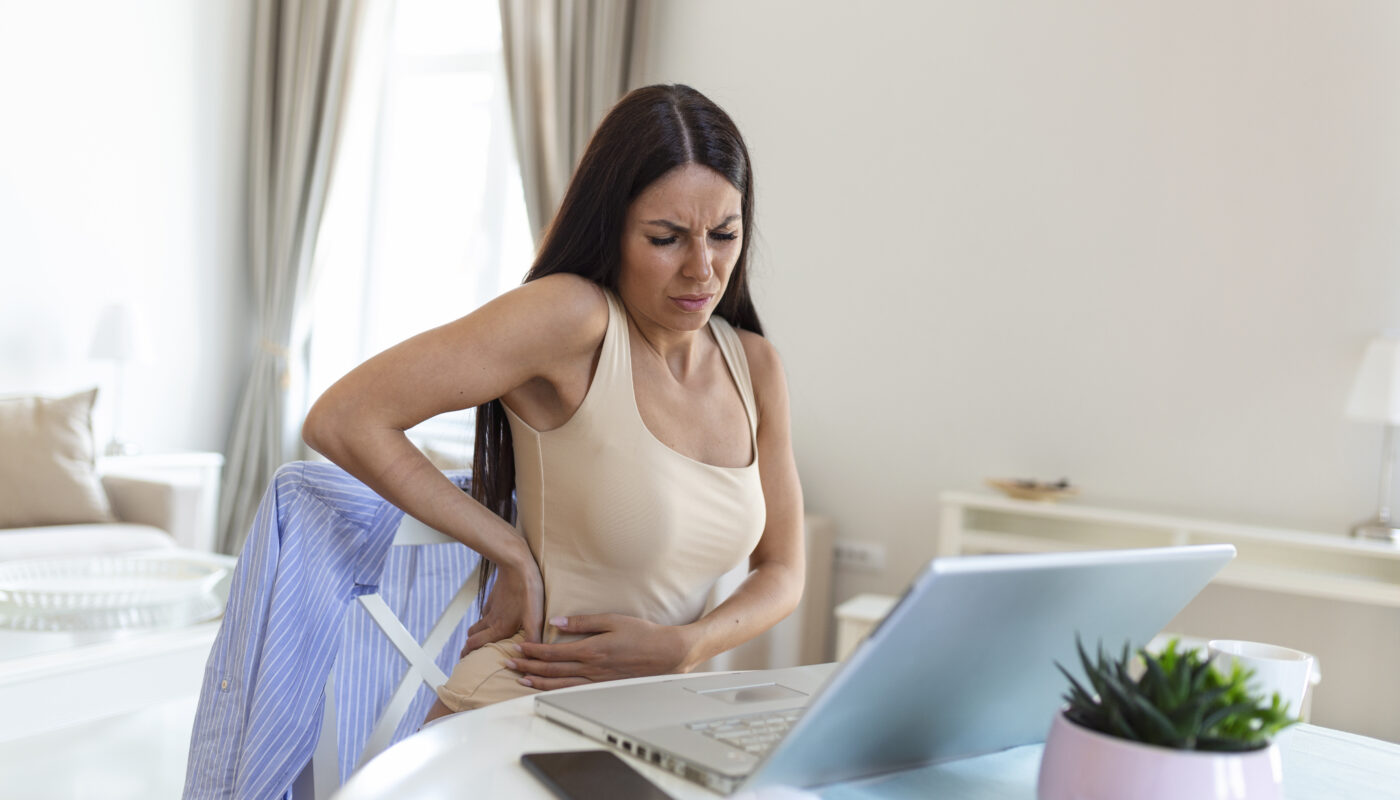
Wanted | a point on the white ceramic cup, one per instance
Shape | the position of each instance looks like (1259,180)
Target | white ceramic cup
(1276,669)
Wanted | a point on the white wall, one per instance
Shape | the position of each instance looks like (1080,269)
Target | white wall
(122,180)
(1138,245)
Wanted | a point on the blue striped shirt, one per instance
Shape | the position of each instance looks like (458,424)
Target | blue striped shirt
(320,538)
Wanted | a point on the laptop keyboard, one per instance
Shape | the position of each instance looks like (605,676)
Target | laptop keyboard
(754,734)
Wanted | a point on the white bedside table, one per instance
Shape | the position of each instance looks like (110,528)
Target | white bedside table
(203,470)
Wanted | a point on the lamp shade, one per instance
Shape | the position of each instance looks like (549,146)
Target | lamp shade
(118,336)
(1375,395)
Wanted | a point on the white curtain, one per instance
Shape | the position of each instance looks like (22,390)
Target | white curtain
(567,62)
(302,54)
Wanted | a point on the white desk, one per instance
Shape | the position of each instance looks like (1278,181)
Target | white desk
(477,754)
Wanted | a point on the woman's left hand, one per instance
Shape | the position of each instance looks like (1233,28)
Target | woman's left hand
(617,646)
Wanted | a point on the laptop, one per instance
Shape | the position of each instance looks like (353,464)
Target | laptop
(963,665)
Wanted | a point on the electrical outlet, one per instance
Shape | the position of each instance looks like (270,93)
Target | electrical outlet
(862,555)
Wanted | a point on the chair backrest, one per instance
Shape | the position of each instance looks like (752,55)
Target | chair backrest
(321,777)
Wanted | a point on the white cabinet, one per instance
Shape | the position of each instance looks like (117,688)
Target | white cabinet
(1297,562)
(857,617)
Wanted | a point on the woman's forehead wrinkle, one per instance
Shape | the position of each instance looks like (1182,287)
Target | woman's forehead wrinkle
(679,228)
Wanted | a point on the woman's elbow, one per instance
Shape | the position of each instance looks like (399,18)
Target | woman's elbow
(790,595)
(797,584)
(319,429)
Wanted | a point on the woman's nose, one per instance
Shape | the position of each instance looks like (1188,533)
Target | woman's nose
(699,266)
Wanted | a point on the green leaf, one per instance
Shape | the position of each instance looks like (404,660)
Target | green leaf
(1091,671)
(1219,716)
(1077,694)
(1169,656)
(1121,727)
(1156,677)
(1156,727)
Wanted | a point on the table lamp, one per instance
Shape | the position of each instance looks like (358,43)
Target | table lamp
(117,339)
(1375,397)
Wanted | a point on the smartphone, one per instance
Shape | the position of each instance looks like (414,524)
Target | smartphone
(590,775)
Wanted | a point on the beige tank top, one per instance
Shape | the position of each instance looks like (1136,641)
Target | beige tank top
(618,521)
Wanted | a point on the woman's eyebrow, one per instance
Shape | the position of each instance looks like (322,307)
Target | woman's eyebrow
(679,228)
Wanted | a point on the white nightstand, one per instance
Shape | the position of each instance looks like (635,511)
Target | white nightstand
(203,470)
(857,617)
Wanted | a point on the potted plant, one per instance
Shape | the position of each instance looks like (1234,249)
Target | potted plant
(1170,726)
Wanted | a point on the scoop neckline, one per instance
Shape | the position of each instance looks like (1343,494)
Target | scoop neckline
(730,368)
(618,312)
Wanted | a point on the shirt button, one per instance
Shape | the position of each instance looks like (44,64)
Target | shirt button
(224,685)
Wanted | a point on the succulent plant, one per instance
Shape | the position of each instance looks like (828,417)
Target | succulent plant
(1178,700)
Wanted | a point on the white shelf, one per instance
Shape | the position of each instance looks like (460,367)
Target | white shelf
(988,542)
(1312,584)
(1292,562)
(1165,523)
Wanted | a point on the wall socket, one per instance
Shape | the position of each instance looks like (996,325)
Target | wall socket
(859,554)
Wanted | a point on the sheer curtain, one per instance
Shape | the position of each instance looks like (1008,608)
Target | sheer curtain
(427,219)
(567,62)
(302,52)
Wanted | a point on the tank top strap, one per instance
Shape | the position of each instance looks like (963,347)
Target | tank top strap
(733,351)
(614,372)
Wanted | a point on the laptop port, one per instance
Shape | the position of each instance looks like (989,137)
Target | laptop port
(655,757)
(626,745)
(612,739)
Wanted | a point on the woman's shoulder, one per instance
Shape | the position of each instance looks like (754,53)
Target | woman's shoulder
(759,351)
(765,368)
(568,293)
(565,308)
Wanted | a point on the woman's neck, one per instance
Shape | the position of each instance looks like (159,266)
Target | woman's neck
(679,350)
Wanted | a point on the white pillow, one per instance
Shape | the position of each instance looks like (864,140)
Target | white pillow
(47,462)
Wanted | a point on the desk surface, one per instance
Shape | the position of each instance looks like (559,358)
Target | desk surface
(478,753)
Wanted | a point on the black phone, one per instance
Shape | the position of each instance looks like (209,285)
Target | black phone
(590,775)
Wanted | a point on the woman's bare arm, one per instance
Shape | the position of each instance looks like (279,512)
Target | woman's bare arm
(538,332)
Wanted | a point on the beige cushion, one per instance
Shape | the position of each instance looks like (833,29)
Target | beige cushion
(47,474)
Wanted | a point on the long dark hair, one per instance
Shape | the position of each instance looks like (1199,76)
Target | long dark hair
(648,133)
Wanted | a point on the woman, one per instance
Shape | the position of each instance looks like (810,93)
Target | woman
(647,441)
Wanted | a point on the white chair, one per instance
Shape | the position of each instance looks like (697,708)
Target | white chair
(321,777)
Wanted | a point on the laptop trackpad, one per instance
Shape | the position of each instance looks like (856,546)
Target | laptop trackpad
(759,693)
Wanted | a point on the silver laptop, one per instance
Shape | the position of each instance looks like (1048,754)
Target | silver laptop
(964,664)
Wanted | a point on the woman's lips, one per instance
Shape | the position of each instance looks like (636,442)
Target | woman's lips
(692,302)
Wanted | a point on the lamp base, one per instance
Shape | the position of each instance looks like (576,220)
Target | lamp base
(1377,529)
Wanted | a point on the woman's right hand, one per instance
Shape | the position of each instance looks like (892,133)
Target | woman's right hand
(516,603)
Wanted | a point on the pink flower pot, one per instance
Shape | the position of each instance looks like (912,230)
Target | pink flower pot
(1080,764)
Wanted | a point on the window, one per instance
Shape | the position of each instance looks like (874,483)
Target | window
(426,217)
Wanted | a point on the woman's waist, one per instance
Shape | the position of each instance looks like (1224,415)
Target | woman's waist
(648,603)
